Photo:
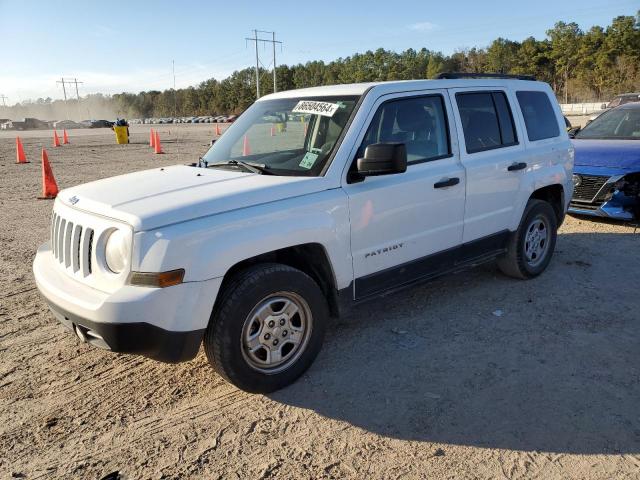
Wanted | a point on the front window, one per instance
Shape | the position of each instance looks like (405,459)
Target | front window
(418,122)
(286,136)
(619,124)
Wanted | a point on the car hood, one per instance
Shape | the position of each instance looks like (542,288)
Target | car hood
(154,198)
(618,154)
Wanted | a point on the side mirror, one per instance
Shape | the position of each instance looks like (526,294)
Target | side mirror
(572,133)
(383,159)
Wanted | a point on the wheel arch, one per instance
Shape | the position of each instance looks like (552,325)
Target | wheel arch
(310,258)
(555,196)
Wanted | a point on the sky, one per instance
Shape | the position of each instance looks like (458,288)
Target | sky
(130,45)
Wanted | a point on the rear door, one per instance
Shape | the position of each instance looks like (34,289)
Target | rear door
(494,159)
(404,227)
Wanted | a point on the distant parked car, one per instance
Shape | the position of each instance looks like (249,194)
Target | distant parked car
(68,124)
(101,124)
(618,100)
(231,118)
(606,175)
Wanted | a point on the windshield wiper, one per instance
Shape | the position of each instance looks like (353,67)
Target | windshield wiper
(248,166)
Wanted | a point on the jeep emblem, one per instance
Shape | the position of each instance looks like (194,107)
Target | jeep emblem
(73,200)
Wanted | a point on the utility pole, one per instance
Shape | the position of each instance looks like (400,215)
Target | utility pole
(4,98)
(273,41)
(75,80)
(64,90)
(175,100)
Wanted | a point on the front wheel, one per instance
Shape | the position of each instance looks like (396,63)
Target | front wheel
(530,248)
(267,328)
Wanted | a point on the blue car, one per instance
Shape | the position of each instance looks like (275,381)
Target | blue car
(606,174)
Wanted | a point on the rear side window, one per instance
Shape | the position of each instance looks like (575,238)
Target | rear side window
(487,121)
(539,117)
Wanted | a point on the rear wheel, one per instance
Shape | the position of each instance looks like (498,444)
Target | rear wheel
(267,328)
(531,247)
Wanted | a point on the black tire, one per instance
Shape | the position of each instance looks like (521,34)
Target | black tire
(223,339)
(514,263)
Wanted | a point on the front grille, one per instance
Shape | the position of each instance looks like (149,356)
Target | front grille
(589,188)
(71,245)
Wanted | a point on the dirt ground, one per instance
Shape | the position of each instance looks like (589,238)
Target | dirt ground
(471,376)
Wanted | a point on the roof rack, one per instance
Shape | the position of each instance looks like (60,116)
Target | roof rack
(454,75)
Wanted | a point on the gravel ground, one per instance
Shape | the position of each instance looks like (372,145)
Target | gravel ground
(472,376)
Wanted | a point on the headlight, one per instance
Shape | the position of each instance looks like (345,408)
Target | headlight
(117,251)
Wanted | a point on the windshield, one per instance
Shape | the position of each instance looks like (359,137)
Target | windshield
(288,136)
(618,124)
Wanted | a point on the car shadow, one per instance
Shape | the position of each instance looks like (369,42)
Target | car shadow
(479,359)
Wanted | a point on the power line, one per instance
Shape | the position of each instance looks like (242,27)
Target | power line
(272,41)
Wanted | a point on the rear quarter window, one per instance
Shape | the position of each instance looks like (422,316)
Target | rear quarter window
(539,116)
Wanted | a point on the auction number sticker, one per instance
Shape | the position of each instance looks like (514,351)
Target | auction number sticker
(325,109)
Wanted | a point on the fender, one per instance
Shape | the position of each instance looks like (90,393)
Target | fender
(536,178)
(214,244)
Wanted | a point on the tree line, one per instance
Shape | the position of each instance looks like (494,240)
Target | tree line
(581,66)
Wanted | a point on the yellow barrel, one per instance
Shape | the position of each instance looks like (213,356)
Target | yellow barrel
(122,136)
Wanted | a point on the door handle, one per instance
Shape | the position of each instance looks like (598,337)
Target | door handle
(517,166)
(449,182)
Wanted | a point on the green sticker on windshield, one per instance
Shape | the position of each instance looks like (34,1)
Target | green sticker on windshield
(308,160)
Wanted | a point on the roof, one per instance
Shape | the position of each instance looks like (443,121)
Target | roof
(400,86)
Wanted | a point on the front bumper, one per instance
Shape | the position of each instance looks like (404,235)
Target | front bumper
(601,198)
(165,324)
(611,209)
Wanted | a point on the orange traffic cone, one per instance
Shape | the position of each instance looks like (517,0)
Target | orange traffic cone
(157,146)
(218,132)
(20,156)
(49,185)
(152,139)
(65,137)
(246,149)
(56,140)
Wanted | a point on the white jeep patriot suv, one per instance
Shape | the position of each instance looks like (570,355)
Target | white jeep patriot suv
(312,201)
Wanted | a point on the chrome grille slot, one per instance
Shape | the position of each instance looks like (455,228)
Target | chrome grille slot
(54,239)
(75,245)
(61,228)
(53,234)
(87,247)
(67,244)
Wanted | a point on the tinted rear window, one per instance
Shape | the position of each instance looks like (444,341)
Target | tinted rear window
(539,117)
(487,122)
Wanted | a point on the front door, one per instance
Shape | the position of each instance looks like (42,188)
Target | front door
(405,227)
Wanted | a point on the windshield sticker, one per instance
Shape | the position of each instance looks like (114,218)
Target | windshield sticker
(325,109)
(308,160)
